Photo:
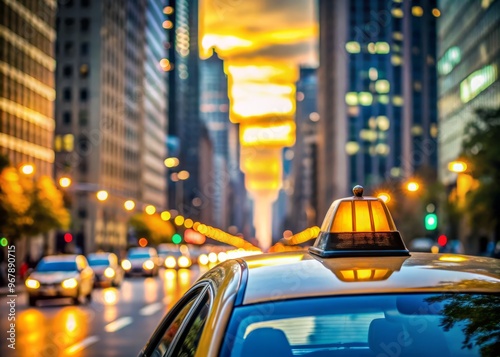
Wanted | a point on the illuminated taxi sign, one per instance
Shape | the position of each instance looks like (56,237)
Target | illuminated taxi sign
(358,226)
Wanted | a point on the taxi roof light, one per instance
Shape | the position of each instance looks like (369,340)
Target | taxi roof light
(359,226)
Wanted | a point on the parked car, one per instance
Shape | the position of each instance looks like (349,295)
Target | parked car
(106,268)
(141,261)
(60,276)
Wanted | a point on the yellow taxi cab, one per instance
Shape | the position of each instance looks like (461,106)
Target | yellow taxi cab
(357,292)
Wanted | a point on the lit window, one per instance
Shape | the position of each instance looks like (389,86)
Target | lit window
(477,82)
(416,130)
(351,98)
(382,149)
(395,172)
(371,47)
(397,100)
(314,117)
(436,12)
(383,123)
(397,36)
(372,123)
(167,24)
(396,60)
(397,13)
(382,48)
(68,142)
(373,74)
(365,98)
(300,96)
(352,47)
(168,10)
(353,111)
(368,135)
(417,11)
(382,86)
(84,71)
(449,60)
(384,99)
(417,86)
(351,147)
(434,130)
(57,143)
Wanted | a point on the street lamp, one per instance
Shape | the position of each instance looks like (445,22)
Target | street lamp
(102,195)
(150,209)
(412,186)
(384,196)
(64,182)
(129,205)
(28,169)
(171,162)
(457,166)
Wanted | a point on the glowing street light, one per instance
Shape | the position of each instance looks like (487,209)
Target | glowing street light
(183,175)
(457,166)
(102,195)
(384,196)
(64,182)
(171,162)
(129,205)
(150,209)
(412,186)
(28,169)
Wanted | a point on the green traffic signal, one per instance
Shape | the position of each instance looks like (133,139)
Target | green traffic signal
(431,221)
(4,242)
(176,238)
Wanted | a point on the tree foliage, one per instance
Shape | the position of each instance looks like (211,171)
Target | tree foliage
(152,227)
(29,206)
(481,150)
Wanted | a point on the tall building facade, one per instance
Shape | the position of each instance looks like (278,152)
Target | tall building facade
(27,88)
(106,123)
(302,210)
(377,93)
(468,67)
(155,106)
(214,114)
(183,88)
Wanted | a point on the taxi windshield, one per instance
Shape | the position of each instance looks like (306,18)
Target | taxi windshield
(372,325)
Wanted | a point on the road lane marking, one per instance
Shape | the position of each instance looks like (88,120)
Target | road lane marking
(82,344)
(118,324)
(149,310)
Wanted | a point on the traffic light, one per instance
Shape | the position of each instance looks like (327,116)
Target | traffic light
(431,221)
(176,238)
(68,237)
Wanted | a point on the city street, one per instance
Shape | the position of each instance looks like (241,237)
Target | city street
(118,321)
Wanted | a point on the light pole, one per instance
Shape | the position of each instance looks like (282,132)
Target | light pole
(102,196)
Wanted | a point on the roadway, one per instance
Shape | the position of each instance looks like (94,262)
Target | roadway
(118,321)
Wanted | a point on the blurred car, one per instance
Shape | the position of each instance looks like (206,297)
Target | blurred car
(106,268)
(357,292)
(421,245)
(61,276)
(173,257)
(141,261)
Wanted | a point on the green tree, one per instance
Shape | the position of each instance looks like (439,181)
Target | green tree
(481,150)
(29,207)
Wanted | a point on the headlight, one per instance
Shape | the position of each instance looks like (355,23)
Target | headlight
(109,272)
(32,283)
(126,265)
(148,265)
(170,262)
(69,283)
(203,259)
(184,262)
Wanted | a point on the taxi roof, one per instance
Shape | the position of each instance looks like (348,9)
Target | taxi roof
(291,275)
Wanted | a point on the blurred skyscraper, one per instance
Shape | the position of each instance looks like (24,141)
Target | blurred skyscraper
(214,114)
(301,211)
(27,89)
(377,93)
(110,113)
(469,61)
(183,91)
